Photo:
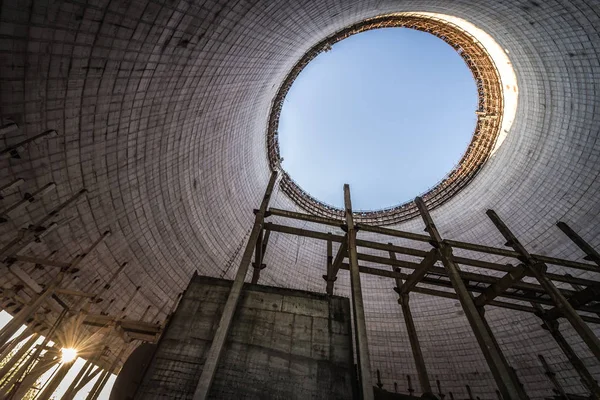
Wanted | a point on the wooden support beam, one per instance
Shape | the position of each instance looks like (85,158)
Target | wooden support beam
(28,198)
(417,253)
(13,151)
(552,326)
(590,253)
(419,272)
(360,331)
(403,300)
(216,348)
(40,261)
(578,300)
(259,254)
(552,377)
(304,217)
(538,269)
(56,380)
(329,270)
(505,379)
(470,276)
(9,187)
(34,232)
(77,293)
(335,265)
(7,128)
(496,289)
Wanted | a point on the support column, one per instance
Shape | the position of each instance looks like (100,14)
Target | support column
(6,368)
(538,269)
(552,377)
(26,313)
(403,300)
(336,264)
(55,381)
(552,326)
(509,388)
(10,346)
(98,386)
(20,388)
(105,375)
(590,253)
(259,255)
(362,346)
(329,271)
(218,342)
(83,374)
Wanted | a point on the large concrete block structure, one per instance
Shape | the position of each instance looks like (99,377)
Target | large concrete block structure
(135,147)
(283,344)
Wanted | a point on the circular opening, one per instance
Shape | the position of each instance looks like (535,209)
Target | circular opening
(389,111)
(493,120)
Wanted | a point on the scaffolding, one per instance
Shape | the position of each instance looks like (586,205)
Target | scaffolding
(475,291)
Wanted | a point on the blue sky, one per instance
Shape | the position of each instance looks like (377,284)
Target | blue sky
(389,111)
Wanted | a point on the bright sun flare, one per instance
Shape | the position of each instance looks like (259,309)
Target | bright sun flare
(68,355)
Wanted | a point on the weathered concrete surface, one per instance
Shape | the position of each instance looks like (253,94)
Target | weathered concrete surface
(282,344)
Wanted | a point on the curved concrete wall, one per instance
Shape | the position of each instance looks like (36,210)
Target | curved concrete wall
(161,109)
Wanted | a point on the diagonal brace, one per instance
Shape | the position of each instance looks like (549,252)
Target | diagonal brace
(501,286)
(418,274)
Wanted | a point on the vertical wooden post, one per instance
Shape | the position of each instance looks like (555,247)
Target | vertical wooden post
(362,346)
(218,342)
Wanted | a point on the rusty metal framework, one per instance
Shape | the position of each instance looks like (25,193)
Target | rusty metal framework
(489,112)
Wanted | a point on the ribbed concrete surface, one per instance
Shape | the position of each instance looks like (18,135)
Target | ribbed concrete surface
(161,109)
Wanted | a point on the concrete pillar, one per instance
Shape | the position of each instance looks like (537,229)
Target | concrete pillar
(538,270)
(360,326)
(218,342)
(509,388)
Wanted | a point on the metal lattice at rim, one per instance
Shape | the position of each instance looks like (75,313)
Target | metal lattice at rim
(487,129)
